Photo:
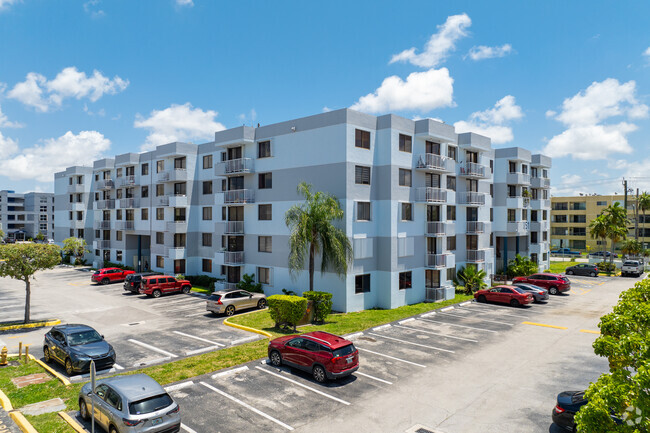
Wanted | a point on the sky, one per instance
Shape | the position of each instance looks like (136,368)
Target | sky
(82,80)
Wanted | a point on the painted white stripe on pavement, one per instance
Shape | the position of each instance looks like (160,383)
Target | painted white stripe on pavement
(187,429)
(302,385)
(412,344)
(150,347)
(459,326)
(379,328)
(118,367)
(485,307)
(490,311)
(478,318)
(436,333)
(406,321)
(446,309)
(229,372)
(392,357)
(355,335)
(214,343)
(462,304)
(179,386)
(373,377)
(247,406)
(433,313)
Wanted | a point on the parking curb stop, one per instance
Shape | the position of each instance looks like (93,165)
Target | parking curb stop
(22,422)
(31,325)
(50,370)
(72,422)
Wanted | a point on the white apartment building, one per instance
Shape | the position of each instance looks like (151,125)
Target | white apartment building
(417,198)
(24,216)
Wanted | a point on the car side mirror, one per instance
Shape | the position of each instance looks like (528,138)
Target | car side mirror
(64,343)
(250,296)
(102,336)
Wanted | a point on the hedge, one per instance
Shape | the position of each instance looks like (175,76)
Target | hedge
(108,264)
(202,280)
(286,310)
(608,268)
(322,304)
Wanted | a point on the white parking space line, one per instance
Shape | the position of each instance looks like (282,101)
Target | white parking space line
(214,343)
(304,386)
(171,301)
(412,344)
(484,311)
(6,307)
(373,377)
(247,406)
(493,307)
(478,318)
(392,357)
(187,429)
(244,340)
(118,367)
(459,326)
(229,372)
(150,347)
(436,333)
(202,313)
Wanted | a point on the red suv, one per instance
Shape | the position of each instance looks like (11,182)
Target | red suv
(110,275)
(554,283)
(324,355)
(512,295)
(159,285)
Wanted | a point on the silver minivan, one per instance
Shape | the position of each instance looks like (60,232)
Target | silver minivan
(130,404)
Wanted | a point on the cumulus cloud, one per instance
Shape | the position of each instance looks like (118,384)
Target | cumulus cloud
(7,147)
(41,161)
(37,92)
(178,123)
(422,91)
(92,8)
(647,52)
(494,121)
(482,52)
(439,45)
(570,184)
(189,3)
(4,4)
(6,123)
(587,135)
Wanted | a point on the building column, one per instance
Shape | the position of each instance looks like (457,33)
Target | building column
(505,254)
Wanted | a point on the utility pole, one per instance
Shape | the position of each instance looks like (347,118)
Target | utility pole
(625,192)
(636,216)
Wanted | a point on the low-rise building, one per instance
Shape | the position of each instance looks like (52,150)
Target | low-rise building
(24,216)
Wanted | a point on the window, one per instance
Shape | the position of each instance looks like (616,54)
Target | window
(362,283)
(160,261)
(407,212)
(160,190)
(160,238)
(206,239)
(404,177)
(451,183)
(144,214)
(144,192)
(97,234)
(42,217)
(207,161)
(363,211)
(207,213)
(512,215)
(144,169)
(264,244)
(451,243)
(265,181)
(264,275)
(179,163)
(405,280)
(405,143)
(160,166)
(491,166)
(207,187)
(43,226)
(491,214)
(160,213)
(264,212)
(43,208)
(432,147)
(264,149)
(180,188)
(512,191)
(362,139)
(224,185)
(601,203)
(206,265)
(452,152)
(361,175)
(118,172)
(512,166)
(451,213)
(118,255)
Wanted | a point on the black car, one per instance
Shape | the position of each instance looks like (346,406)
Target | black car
(607,254)
(74,346)
(583,269)
(132,281)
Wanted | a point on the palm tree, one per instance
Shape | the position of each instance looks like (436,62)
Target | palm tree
(312,233)
(632,247)
(644,205)
(598,230)
(616,217)
(521,266)
(471,278)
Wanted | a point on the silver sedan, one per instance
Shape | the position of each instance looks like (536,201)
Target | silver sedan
(539,294)
(228,301)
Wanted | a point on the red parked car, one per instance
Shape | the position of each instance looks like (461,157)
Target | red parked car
(512,295)
(554,283)
(110,275)
(324,355)
(159,285)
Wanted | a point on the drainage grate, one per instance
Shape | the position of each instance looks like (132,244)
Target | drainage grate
(424,430)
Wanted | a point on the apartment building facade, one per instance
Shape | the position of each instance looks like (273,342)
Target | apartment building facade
(24,216)
(416,195)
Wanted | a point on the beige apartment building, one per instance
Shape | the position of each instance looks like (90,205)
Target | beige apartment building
(570,218)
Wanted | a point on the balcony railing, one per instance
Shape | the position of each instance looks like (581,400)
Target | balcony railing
(436,260)
(517,178)
(540,203)
(517,226)
(224,285)
(239,196)
(105,204)
(103,225)
(178,200)
(234,166)
(540,182)
(472,169)
(440,228)
(431,161)
(129,203)
(431,195)
(475,227)
(76,187)
(175,252)
(162,200)
(233,257)
(476,198)
(104,184)
(102,245)
(78,224)
(176,226)
(537,226)
(174,175)
(475,256)
(126,180)
(434,294)
(78,206)
(124,225)
(231,227)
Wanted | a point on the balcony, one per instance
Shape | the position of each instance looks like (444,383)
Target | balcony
(129,203)
(540,182)
(175,175)
(440,228)
(540,204)
(230,227)
(433,162)
(233,257)
(77,224)
(517,178)
(102,245)
(76,187)
(105,204)
(437,294)
(475,227)
(239,196)
(162,200)
(520,227)
(224,285)
(104,184)
(539,226)
(234,166)
(103,225)
(472,169)
(517,201)
(124,225)
(125,181)
(77,206)
(438,261)
(475,256)
(179,200)
(431,195)
(175,253)
(473,198)
(176,226)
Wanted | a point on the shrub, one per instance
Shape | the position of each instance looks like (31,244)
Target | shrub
(202,281)
(108,264)
(322,304)
(607,267)
(248,283)
(286,310)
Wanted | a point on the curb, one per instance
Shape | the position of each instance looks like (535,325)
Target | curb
(246,328)
(5,402)
(72,422)
(31,325)
(22,422)
(50,370)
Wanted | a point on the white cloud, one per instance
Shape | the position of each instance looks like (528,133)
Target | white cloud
(4,4)
(647,52)
(493,122)
(587,136)
(570,184)
(422,91)
(92,8)
(69,83)
(439,45)
(178,123)
(482,52)
(88,111)
(6,123)
(189,3)
(7,147)
(41,161)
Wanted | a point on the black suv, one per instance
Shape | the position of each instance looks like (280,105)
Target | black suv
(132,282)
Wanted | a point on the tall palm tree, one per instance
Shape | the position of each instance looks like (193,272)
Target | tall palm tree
(632,247)
(312,233)
(616,217)
(644,205)
(598,230)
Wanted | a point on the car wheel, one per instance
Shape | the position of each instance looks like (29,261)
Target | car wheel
(514,303)
(186,289)
(276,358)
(261,303)
(553,291)
(46,355)
(569,272)
(593,274)
(319,374)
(482,298)
(68,367)
(157,293)
(105,281)
(112,430)
(230,310)
(83,410)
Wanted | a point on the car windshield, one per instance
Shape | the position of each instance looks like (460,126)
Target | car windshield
(151,404)
(214,297)
(631,264)
(345,350)
(96,272)
(85,337)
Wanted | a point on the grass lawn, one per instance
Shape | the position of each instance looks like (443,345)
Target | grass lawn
(559,267)
(201,289)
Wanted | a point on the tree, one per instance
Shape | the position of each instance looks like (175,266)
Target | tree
(616,217)
(644,204)
(598,230)
(75,247)
(40,237)
(312,233)
(521,266)
(22,261)
(248,283)
(2,235)
(632,247)
(472,278)
(623,392)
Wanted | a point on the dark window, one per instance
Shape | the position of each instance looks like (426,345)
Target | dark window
(160,238)
(405,143)
(206,265)
(207,213)
(451,243)
(264,244)
(451,183)
(452,153)
(207,187)
(362,139)
(264,212)
(206,239)
(404,177)
(265,181)
(405,280)
(363,211)
(451,213)
(144,192)
(263,149)
(362,175)
(264,275)
(407,212)
(207,161)
(362,283)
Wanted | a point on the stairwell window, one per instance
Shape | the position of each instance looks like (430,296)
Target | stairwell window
(405,143)
(404,177)
(264,244)
(363,211)
(362,139)
(361,175)
(206,239)
(265,181)
(362,283)
(405,280)
(264,149)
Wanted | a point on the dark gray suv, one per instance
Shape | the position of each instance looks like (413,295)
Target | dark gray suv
(74,346)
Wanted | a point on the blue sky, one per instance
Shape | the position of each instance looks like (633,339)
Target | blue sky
(82,80)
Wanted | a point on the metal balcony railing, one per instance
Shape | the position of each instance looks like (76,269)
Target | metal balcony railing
(540,182)
(475,227)
(436,260)
(518,178)
(477,198)
(103,245)
(239,196)
(103,225)
(224,285)
(431,161)
(231,227)
(440,228)
(104,184)
(434,294)
(129,203)
(105,204)
(233,257)
(176,226)
(517,226)
(475,256)
(162,200)
(124,225)
(431,195)
(473,169)
(174,175)
(126,180)
(234,166)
